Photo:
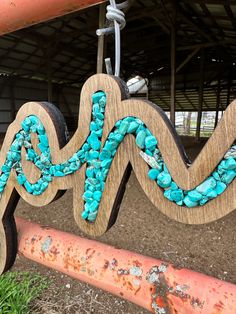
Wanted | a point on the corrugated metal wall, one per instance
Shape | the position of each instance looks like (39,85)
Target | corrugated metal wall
(14,93)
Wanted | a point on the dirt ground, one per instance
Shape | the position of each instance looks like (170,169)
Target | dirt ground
(140,227)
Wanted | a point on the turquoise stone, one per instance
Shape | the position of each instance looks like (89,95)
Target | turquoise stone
(111,145)
(118,123)
(212,194)
(39,165)
(97,195)
(96,97)
(67,170)
(150,142)
(177,195)
(74,158)
(85,215)
(228,176)
(167,194)
(73,167)
(85,147)
(99,123)
(59,173)
(92,216)
(216,176)
(123,127)
(105,154)
(48,178)
(4,177)
(106,163)
(230,164)
(153,174)
(28,187)
(96,108)
(96,164)
(164,180)
(118,137)
(93,126)
(44,186)
(148,152)
(140,139)
(91,188)
(93,206)
(173,186)
(94,141)
(45,160)
(102,102)
(206,186)
(194,196)
(88,194)
(44,140)
(141,128)
(33,119)
(40,129)
(203,201)
(80,154)
(93,154)
(165,169)
(2,184)
(5,168)
(90,172)
(132,127)
(21,179)
(91,181)
(99,132)
(30,154)
(42,148)
(220,187)
(25,126)
(189,203)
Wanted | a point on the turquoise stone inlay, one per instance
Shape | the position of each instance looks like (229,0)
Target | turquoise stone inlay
(99,161)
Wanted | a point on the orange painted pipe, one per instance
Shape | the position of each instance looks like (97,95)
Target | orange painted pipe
(17,14)
(152,284)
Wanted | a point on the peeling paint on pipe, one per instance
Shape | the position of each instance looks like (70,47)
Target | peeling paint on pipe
(150,283)
(17,14)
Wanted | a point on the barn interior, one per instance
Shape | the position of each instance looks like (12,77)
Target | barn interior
(185,51)
(182,54)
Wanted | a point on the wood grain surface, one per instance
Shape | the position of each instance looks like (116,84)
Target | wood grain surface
(127,156)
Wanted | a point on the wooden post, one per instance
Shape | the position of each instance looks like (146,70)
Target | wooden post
(101,39)
(201,91)
(217,103)
(173,66)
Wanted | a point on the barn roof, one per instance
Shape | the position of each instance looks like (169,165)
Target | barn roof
(65,49)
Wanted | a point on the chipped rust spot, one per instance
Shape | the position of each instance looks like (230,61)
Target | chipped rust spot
(136,271)
(106,264)
(45,247)
(121,272)
(113,264)
(219,306)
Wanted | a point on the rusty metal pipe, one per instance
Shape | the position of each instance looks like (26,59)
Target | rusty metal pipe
(17,14)
(152,284)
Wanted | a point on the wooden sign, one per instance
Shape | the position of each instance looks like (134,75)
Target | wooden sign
(114,134)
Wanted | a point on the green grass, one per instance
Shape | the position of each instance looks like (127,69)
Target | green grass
(18,290)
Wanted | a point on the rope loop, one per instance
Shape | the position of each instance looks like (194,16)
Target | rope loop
(117,17)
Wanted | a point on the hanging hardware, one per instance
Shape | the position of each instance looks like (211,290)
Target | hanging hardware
(117,17)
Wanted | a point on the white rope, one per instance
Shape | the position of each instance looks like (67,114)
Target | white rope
(117,17)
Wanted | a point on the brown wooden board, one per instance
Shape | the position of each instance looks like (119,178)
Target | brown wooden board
(127,156)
